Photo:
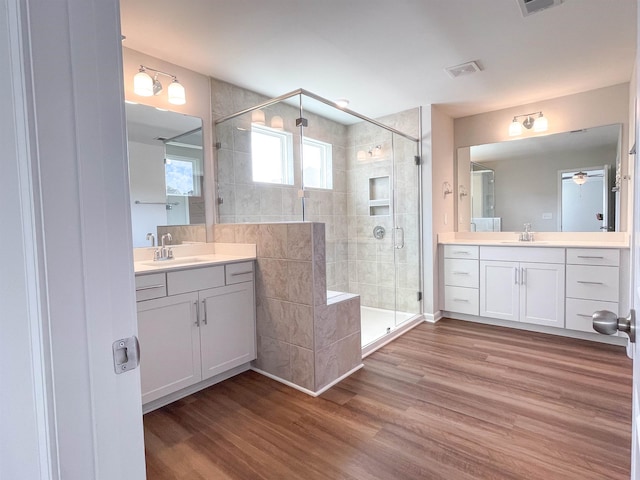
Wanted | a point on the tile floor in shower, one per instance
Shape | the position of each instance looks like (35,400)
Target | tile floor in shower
(375,322)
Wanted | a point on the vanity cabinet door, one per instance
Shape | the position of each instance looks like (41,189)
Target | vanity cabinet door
(542,294)
(499,290)
(169,345)
(227,327)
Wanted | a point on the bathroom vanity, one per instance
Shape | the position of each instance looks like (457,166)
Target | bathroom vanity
(196,322)
(550,286)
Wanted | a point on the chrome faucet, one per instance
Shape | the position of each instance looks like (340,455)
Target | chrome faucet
(527,234)
(164,252)
(152,237)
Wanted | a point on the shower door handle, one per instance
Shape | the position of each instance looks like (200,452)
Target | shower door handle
(398,237)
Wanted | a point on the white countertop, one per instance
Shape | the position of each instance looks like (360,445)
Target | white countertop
(542,239)
(193,256)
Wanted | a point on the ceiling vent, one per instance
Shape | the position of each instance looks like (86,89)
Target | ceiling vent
(530,7)
(462,69)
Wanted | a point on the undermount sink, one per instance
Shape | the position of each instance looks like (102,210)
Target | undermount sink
(176,261)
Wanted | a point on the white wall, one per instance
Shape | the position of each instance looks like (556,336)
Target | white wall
(438,209)
(604,106)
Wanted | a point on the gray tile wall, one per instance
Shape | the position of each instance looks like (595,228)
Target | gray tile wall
(301,339)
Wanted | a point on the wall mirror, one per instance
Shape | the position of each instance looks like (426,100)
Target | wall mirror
(565,182)
(166,173)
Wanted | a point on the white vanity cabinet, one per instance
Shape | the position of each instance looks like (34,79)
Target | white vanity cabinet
(593,283)
(523,284)
(205,326)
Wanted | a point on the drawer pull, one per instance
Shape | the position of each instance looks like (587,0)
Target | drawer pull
(197,313)
(204,308)
(583,315)
(462,252)
(461,273)
(590,256)
(149,287)
(590,283)
(235,274)
(461,300)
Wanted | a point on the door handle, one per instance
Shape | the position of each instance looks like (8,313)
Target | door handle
(204,308)
(398,237)
(608,323)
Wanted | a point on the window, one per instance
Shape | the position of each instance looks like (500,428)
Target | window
(182,176)
(271,155)
(317,164)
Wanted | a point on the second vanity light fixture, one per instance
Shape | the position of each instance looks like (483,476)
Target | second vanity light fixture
(539,123)
(146,86)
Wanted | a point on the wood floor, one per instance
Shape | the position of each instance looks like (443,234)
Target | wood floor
(455,400)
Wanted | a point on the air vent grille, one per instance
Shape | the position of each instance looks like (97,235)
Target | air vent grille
(463,69)
(529,7)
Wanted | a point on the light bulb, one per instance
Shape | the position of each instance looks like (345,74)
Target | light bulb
(580,178)
(515,128)
(143,84)
(277,123)
(541,124)
(257,117)
(176,93)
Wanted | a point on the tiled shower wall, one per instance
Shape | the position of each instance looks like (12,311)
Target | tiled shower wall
(301,338)
(356,262)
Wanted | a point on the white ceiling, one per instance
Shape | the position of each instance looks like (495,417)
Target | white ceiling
(386,56)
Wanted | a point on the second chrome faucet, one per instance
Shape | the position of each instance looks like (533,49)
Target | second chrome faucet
(164,252)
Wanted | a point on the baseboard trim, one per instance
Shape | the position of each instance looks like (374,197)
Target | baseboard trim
(306,390)
(433,317)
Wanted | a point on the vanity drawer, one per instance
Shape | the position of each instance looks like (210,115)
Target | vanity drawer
(462,300)
(239,272)
(461,272)
(523,253)
(593,256)
(151,286)
(579,313)
(183,281)
(593,283)
(461,251)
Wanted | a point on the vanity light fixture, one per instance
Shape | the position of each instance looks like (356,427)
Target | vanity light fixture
(375,151)
(580,178)
(539,123)
(446,189)
(146,86)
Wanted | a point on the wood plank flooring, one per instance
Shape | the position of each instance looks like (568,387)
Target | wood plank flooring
(455,400)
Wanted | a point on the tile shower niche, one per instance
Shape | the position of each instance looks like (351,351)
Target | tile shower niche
(379,196)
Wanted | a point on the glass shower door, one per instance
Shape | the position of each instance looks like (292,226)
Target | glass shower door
(406,238)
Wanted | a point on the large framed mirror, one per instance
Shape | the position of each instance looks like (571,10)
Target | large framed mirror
(166,175)
(565,182)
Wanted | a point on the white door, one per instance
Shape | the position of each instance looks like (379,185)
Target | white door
(67,204)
